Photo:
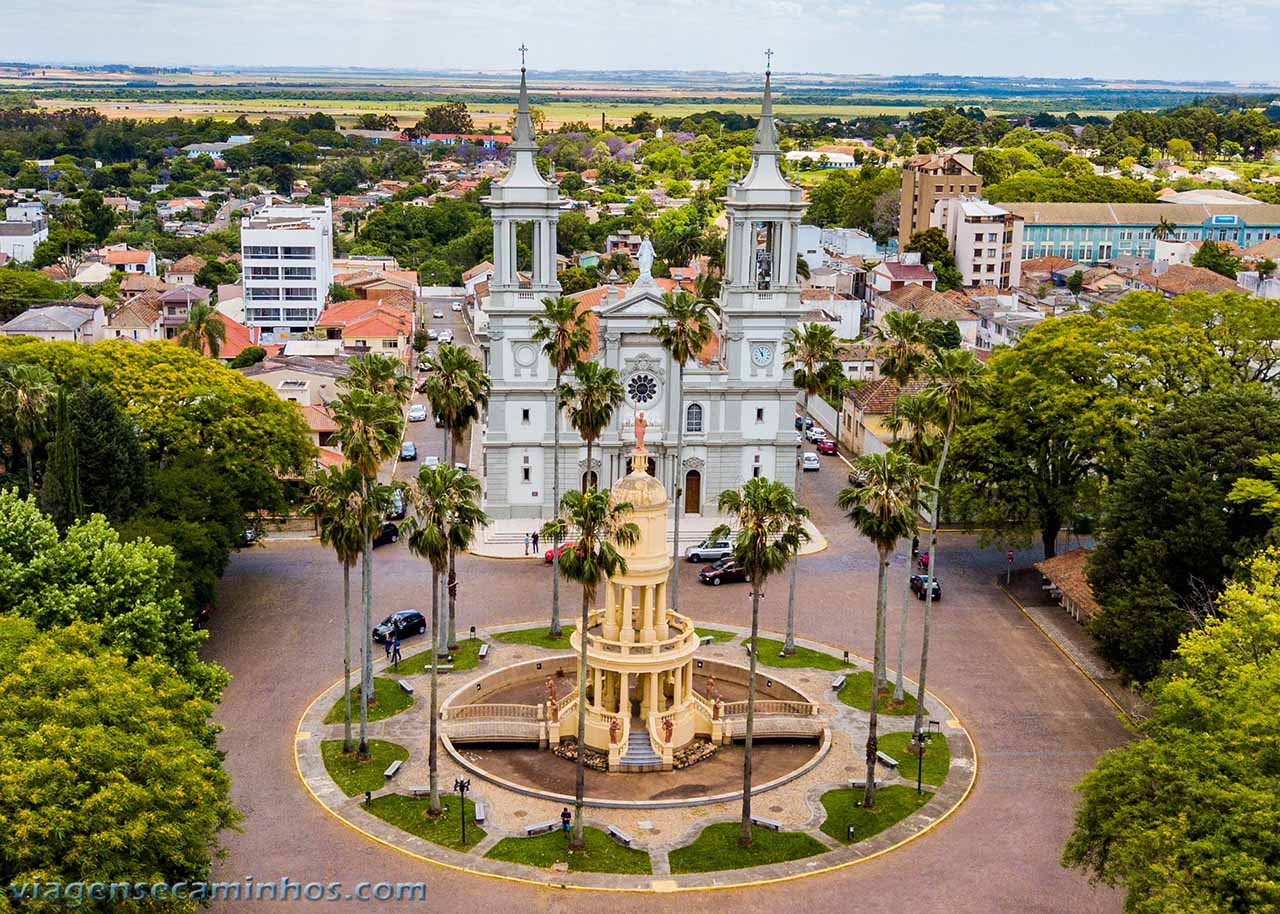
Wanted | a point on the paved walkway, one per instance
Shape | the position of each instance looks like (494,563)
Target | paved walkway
(796,804)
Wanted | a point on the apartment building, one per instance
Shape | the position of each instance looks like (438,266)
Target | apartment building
(985,240)
(287,263)
(926,179)
(23,228)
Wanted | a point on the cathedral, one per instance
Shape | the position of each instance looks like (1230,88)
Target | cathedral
(738,406)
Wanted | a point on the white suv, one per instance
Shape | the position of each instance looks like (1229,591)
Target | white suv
(709,551)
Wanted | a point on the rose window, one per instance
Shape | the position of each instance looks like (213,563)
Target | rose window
(642,388)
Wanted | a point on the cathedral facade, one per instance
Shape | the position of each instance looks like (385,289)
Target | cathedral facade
(738,405)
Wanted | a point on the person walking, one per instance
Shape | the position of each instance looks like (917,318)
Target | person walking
(535,542)
(566,820)
(395,652)
(526,544)
(386,645)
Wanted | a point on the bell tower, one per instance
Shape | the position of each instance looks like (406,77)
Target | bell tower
(523,196)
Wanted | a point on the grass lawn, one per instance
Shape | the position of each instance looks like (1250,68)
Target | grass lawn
(537,636)
(410,814)
(389,699)
(893,804)
(937,757)
(717,848)
(771,655)
(856,693)
(354,776)
(603,854)
(718,636)
(466,657)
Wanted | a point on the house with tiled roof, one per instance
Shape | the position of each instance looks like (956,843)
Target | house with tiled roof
(863,412)
(175,305)
(183,271)
(133,284)
(122,257)
(1179,279)
(320,423)
(892,274)
(1068,582)
(138,319)
(59,321)
(384,330)
(308,381)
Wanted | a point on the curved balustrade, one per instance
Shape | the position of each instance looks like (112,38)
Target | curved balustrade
(493,712)
(686,637)
(771,707)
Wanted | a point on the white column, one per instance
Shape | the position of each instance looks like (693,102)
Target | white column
(596,697)
(624,694)
(497,250)
(513,249)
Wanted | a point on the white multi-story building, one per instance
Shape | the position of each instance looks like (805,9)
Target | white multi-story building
(23,228)
(738,404)
(985,239)
(287,253)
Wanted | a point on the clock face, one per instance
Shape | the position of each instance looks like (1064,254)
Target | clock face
(762,355)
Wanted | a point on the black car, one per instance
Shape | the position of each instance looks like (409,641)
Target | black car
(918,587)
(725,571)
(408,451)
(402,624)
(388,533)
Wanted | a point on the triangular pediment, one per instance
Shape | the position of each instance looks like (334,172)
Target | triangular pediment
(637,303)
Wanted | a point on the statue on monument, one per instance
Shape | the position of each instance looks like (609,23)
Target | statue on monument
(641,424)
(645,258)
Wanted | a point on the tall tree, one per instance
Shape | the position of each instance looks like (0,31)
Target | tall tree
(113,484)
(565,336)
(602,526)
(813,358)
(458,389)
(955,379)
(590,400)
(884,510)
(369,429)
(447,515)
(771,530)
(684,330)
(204,330)
(26,391)
(343,518)
(60,490)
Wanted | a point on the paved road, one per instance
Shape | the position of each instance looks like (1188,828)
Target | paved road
(1038,724)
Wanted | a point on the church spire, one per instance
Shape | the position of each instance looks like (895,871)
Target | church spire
(523,138)
(766,138)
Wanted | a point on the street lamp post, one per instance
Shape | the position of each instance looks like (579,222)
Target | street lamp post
(462,785)
(923,739)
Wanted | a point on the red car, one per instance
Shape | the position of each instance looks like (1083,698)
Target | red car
(827,446)
(547,555)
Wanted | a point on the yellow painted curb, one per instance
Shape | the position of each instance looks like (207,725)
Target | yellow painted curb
(659,886)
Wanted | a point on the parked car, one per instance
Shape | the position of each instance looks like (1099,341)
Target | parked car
(918,587)
(437,314)
(857,478)
(460,466)
(810,462)
(563,546)
(446,336)
(433,334)
(431,461)
(401,625)
(709,551)
(408,451)
(799,440)
(396,511)
(803,422)
(827,446)
(725,571)
(816,433)
(418,412)
(456,306)
(387,533)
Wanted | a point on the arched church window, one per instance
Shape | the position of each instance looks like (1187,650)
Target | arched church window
(693,418)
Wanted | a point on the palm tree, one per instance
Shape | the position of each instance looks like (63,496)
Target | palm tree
(770,531)
(458,389)
(601,526)
(684,330)
(955,381)
(589,401)
(1163,229)
(343,518)
(802,267)
(884,510)
(369,429)
(446,504)
(27,391)
(902,348)
(565,337)
(812,357)
(379,374)
(203,330)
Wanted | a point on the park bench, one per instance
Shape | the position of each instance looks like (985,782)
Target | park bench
(747,646)
(838,683)
(405,685)
(861,783)
(392,769)
(480,812)
(620,836)
(704,640)
(542,828)
(484,650)
(419,792)
(887,760)
(443,667)
(766,823)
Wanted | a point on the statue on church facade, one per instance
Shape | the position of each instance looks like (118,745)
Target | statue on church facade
(645,258)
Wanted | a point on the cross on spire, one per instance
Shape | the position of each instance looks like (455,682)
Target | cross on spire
(768,59)
(522,49)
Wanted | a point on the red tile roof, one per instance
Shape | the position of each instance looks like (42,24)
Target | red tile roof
(116,258)
(1067,572)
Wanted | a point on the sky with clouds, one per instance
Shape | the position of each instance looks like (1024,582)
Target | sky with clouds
(1231,40)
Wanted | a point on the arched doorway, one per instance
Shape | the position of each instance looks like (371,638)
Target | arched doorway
(590,480)
(693,492)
